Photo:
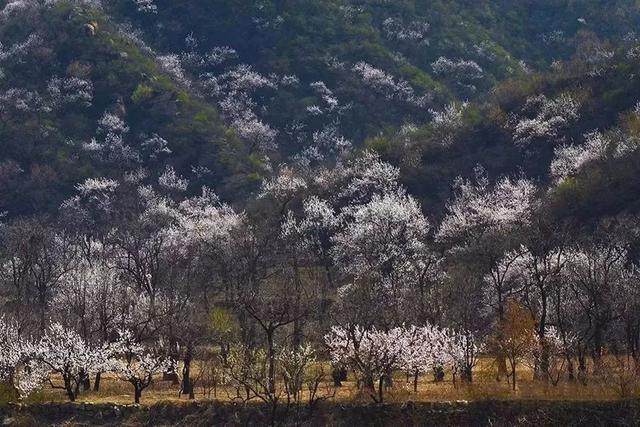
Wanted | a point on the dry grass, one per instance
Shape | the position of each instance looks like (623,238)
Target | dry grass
(485,386)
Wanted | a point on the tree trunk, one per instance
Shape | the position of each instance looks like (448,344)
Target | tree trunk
(296,339)
(171,376)
(596,354)
(272,363)
(582,368)
(502,366)
(543,367)
(339,374)
(381,389)
(501,360)
(438,374)
(415,381)
(137,395)
(69,389)
(513,375)
(571,369)
(86,382)
(96,382)
(42,302)
(467,374)
(187,386)
(388,379)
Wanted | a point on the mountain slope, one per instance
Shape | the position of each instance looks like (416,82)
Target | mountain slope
(573,130)
(79,99)
(222,91)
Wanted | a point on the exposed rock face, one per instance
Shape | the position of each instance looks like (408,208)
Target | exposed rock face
(91,29)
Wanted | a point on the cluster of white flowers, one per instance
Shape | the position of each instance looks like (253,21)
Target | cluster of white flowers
(109,145)
(172,65)
(65,353)
(598,60)
(135,36)
(460,69)
(22,101)
(362,178)
(350,11)
(16,352)
(14,7)
(447,121)
(267,24)
(477,204)
(435,347)
(283,185)
(251,128)
(71,90)
(243,78)
(450,116)
(59,93)
(330,101)
(60,351)
(159,210)
(215,57)
(155,146)
(544,118)
(415,31)
(220,55)
(374,353)
(560,344)
(570,159)
(206,222)
(384,234)
(170,180)
(20,49)
(92,185)
(318,223)
(110,123)
(235,88)
(388,86)
(136,364)
(329,140)
(486,50)
(633,52)
(146,6)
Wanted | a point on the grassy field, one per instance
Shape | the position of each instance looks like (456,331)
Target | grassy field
(616,385)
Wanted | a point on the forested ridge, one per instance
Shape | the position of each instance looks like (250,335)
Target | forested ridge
(275,197)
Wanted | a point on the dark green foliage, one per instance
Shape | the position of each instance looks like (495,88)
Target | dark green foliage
(41,156)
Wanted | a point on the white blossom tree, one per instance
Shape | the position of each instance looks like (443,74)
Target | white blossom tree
(63,352)
(544,119)
(373,354)
(136,364)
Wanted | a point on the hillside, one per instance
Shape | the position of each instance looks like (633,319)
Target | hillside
(234,88)
(572,129)
(79,98)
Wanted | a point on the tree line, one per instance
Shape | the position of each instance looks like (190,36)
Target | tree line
(136,276)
